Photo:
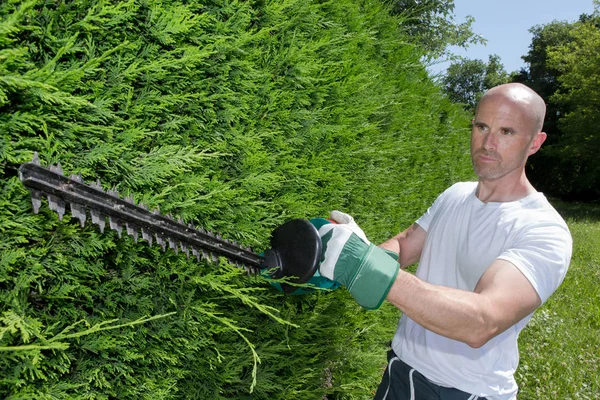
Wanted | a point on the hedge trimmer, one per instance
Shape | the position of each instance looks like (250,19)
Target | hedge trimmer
(295,246)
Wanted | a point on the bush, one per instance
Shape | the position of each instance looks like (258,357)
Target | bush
(236,116)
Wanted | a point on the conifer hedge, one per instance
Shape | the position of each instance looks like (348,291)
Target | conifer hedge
(236,116)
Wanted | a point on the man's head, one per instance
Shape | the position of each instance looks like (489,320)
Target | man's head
(506,130)
(523,96)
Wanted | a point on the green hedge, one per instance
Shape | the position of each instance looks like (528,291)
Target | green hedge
(236,116)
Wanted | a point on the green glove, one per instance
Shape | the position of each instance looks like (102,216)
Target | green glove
(366,270)
(339,217)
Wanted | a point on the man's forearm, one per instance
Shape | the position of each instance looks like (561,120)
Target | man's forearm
(408,244)
(453,313)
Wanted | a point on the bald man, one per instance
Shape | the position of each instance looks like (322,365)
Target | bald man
(490,252)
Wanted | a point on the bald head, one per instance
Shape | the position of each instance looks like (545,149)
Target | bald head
(525,98)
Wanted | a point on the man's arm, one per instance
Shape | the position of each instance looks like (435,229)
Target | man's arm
(408,244)
(503,296)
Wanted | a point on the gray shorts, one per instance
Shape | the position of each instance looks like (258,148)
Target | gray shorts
(402,382)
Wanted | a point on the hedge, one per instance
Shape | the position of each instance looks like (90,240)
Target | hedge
(236,116)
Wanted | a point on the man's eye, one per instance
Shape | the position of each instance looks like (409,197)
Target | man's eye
(506,132)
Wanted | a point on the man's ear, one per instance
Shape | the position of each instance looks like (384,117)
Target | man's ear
(537,142)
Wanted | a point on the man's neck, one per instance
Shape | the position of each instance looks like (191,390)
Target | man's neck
(504,190)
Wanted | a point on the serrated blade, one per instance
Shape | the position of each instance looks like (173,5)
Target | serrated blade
(56,204)
(36,200)
(78,211)
(123,213)
(99,219)
(132,231)
(147,236)
(116,225)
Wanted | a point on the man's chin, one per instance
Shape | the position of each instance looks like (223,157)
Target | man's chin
(487,174)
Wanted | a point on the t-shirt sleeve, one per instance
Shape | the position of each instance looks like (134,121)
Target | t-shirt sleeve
(542,253)
(425,220)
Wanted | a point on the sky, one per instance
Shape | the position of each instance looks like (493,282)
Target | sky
(505,25)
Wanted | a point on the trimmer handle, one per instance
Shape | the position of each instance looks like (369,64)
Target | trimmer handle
(295,251)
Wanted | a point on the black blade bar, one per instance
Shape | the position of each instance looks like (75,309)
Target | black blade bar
(77,193)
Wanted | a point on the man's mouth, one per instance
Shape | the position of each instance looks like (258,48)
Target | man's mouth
(486,157)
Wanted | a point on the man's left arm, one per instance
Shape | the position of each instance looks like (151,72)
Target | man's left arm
(512,287)
(503,296)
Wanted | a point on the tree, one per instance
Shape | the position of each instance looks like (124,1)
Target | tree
(561,68)
(539,75)
(495,74)
(466,80)
(578,64)
(432,26)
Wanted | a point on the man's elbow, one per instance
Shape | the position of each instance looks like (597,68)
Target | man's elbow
(477,342)
(483,333)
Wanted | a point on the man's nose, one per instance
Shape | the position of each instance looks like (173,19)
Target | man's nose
(490,141)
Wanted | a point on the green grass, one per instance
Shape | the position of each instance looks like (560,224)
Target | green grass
(560,348)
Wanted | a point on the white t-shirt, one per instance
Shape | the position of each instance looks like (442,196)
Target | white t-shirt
(464,237)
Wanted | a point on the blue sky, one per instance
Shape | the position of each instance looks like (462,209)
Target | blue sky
(505,24)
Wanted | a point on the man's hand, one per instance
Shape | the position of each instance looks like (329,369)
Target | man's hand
(346,219)
(367,271)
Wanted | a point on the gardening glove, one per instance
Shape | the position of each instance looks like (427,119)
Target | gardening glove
(366,270)
(346,219)
(342,218)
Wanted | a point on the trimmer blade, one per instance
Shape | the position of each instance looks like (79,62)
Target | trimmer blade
(123,213)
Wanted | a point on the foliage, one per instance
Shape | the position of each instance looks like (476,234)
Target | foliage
(539,75)
(578,61)
(560,348)
(542,78)
(467,80)
(431,25)
(236,116)
(563,74)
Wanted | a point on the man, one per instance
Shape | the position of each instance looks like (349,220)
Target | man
(489,252)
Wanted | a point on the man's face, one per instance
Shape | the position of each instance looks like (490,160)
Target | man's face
(502,138)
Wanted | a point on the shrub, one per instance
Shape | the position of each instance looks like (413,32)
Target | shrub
(234,115)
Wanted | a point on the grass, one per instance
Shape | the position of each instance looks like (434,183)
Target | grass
(560,348)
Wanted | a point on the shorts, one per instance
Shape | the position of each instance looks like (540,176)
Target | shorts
(402,382)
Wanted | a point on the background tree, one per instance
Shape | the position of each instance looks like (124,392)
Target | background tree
(540,76)
(466,80)
(578,64)
(431,25)
(558,168)
(495,74)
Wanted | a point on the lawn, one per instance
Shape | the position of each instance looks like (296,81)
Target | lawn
(560,348)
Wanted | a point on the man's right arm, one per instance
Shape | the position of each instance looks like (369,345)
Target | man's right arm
(408,244)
